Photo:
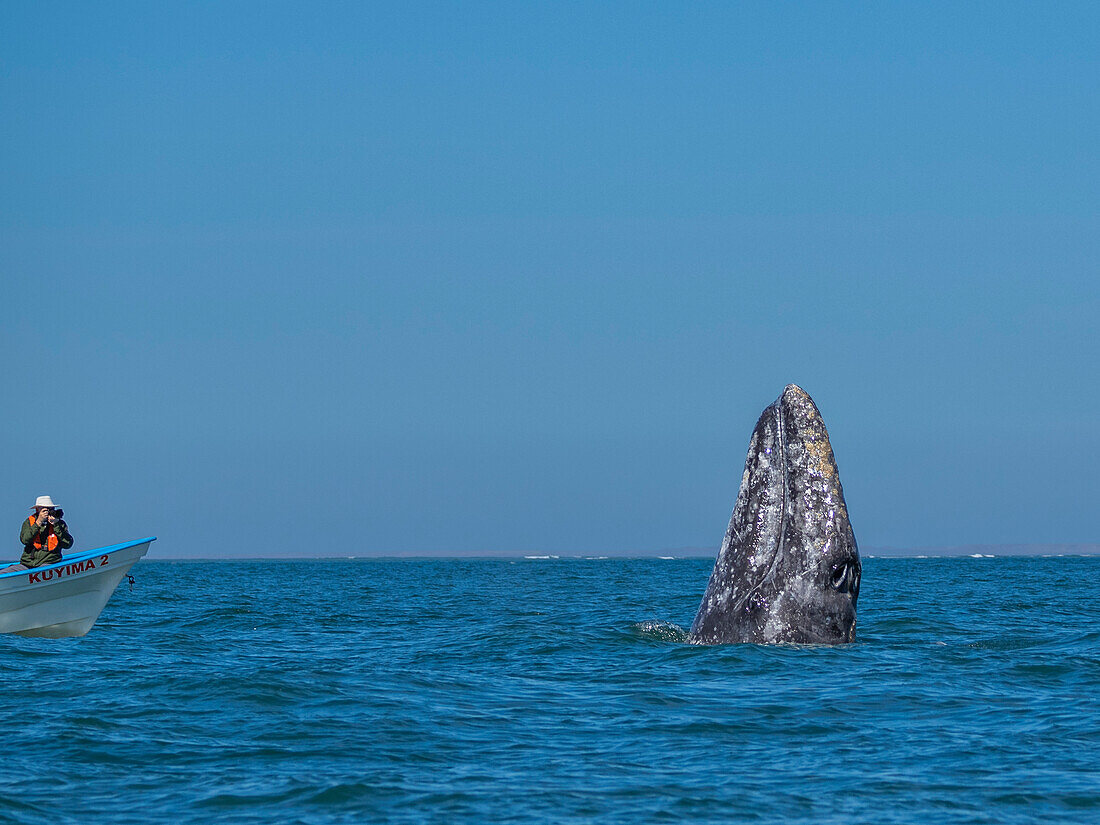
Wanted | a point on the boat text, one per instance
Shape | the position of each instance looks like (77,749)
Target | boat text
(38,576)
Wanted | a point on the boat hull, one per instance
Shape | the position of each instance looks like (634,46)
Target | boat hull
(65,599)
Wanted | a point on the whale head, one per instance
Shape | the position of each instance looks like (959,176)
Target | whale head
(789,569)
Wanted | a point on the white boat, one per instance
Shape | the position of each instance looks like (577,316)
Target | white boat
(66,598)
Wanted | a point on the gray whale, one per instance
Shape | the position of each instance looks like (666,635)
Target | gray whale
(789,569)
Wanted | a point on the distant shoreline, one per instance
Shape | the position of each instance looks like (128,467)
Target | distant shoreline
(984,550)
(957,551)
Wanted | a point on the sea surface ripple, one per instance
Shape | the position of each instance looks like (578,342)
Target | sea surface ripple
(556,690)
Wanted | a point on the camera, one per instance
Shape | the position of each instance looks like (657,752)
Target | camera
(57,512)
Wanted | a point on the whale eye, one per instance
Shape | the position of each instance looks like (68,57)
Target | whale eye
(842,577)
(845,578)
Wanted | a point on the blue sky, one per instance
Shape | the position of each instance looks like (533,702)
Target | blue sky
(349,279)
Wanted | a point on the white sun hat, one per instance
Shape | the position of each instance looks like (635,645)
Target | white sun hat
(43,501)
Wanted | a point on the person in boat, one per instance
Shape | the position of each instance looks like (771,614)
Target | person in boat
(44,535)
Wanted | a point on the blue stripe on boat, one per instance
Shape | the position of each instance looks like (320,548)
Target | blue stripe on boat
(81,556)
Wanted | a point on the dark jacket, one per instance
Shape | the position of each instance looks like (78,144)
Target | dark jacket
(43,545)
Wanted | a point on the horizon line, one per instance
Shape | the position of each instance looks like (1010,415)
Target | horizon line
(1036,550)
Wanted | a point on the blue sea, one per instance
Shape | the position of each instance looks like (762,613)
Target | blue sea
(558,691)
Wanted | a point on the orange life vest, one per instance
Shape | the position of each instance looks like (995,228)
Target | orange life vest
(51,539)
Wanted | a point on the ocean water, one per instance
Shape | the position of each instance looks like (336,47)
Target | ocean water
(558,691)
